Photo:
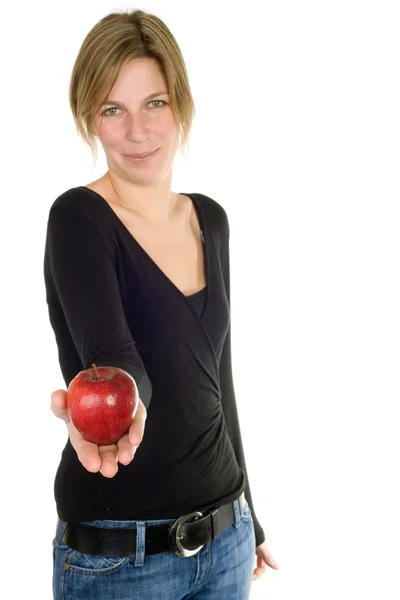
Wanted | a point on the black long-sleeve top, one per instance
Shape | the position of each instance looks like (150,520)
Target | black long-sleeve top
(110,304)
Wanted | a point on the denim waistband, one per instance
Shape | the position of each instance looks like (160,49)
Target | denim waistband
(109,523)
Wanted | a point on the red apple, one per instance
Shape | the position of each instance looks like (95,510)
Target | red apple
(101,403)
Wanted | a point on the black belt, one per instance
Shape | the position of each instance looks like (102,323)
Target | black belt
(181,538)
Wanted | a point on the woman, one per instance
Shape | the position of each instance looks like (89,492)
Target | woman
(137,277)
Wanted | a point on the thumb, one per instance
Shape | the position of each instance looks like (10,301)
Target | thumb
(136,430)
(59,404)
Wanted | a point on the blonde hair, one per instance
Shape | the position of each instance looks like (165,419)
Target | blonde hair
(115,40)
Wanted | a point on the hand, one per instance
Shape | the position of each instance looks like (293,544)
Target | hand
(101,458)
(264,559)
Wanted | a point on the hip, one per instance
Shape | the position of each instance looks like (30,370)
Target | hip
(79,575)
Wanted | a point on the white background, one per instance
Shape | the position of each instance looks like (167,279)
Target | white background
(297,136)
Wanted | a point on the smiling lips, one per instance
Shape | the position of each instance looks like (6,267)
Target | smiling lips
(138,159)
(142,158)
(141,155)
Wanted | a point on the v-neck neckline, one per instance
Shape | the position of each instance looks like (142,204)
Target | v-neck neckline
(203,234)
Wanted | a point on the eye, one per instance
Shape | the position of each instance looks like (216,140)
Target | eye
(106,113)
(159,101)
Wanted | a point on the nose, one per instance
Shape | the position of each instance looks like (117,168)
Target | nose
(137,130)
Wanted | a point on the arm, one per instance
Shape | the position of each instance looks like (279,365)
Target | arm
(228,396)
(81,280)
(89,323)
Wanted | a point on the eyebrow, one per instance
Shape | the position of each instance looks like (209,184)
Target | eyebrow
(109,101)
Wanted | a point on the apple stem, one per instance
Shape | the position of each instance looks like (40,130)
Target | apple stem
(95,371)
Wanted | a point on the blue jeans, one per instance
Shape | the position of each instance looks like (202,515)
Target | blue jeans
(222,569)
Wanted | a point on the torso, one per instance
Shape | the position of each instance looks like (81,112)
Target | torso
(177,249)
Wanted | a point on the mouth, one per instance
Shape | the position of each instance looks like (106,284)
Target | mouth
(141,157)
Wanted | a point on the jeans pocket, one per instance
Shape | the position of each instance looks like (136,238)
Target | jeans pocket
(91,563)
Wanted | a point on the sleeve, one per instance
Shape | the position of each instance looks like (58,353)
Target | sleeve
(80,272)
(229,399)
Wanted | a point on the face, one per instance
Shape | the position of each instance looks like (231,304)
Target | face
(138,119)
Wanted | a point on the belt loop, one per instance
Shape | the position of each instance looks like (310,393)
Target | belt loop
(60,530)
(140,543)
(236,512)
(215,522)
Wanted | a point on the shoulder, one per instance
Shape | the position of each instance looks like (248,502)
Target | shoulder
(213,212)
(82,214)
(80,204)
(81,199)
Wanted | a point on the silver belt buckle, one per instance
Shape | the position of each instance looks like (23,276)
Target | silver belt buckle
(174,537)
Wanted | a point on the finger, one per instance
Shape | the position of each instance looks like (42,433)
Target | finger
(88,453)
(60,413)
(59,404)
(272,563)
(108,456)
(258,572)
(59,397)
(136,430)
(125,450)
(268,559)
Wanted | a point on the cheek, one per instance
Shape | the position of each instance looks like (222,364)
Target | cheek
(111,136)
(166,125)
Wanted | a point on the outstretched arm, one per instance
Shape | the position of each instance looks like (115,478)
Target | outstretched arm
(87,316)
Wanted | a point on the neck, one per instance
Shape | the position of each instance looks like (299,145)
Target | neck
(155,204)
